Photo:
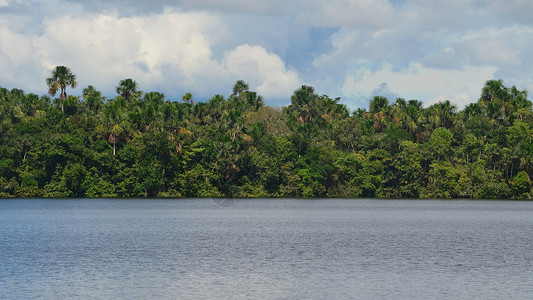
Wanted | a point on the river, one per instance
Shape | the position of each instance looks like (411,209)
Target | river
(265,249)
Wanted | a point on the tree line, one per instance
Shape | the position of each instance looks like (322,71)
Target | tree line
(140,144)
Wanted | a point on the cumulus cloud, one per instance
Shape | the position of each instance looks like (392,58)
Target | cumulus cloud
(105,48)
(419,82)
(19,61)
(265,70)
(429,50)
(372,48)
(171,51)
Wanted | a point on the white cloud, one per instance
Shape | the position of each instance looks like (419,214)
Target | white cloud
(265,70)
(428,50)
(169,52)
(490,52)
(431,51)
(353,47)
(425,84)
(18,60)
(16,48)
(352,13)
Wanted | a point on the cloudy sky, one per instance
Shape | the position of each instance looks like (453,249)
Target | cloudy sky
(428,50)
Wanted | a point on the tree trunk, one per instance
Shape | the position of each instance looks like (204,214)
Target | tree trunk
(62,97)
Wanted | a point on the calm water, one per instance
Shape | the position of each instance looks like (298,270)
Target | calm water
(268,249)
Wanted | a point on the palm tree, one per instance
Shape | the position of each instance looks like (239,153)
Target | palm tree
(519,98)
(495,110)
(493,91)
(378,109)
(114,122)
(304,102)
(93,99)
(471,110)
(413,107)
(342,110)
(253,100)
(187,98)
(377,104)
(518,103)
(413,116)
(152,112)
(61,78)
(447,112)
(127,88)
(397,112)
(401,103)
(302,96)
(240,88)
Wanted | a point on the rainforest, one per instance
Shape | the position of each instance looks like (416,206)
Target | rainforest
(140,144)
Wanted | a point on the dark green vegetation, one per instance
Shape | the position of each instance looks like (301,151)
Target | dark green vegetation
(142,145)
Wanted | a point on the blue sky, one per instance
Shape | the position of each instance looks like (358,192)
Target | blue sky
(353,49)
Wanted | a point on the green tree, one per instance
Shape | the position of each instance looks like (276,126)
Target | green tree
(522,185)
(377,104)
(408,170)
(439,145)
(61,78)
(444,181)
(114,121)
(93,99)
(240,88)
(127,88)
(187,98)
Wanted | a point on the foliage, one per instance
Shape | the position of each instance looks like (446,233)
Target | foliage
(61,78)
(142,145)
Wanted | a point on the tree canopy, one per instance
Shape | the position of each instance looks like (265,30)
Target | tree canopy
(141,144)
(61,78)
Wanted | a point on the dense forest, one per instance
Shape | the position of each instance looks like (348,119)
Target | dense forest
(140,144)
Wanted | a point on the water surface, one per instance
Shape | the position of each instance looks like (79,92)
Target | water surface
(268,249)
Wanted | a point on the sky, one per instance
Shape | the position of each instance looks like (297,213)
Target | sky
(428,50)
